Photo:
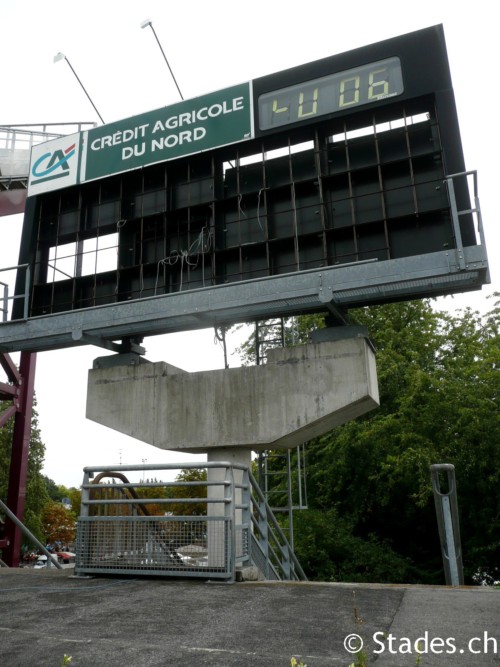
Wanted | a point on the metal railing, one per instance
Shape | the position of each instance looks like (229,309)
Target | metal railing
(16,142)
(4,291)
(270,550)
(129,527)
(456,214)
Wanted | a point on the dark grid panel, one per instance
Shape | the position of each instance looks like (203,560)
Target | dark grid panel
(276,205)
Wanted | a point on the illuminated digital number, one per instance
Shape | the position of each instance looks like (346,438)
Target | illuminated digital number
(374,92)
(341,91)
(314,108)
(277,109)
(348,91)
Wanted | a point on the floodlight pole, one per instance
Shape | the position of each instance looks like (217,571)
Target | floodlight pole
(149,23)
(61,56)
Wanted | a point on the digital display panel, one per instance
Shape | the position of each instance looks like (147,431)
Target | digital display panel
(329,94)
(337,162)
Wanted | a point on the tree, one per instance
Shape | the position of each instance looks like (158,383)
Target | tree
(58,523)
(192,486)
(54,491)
(75,498)
(58,492)
(36,491)
(368,481)
(197,490)
(152,492)
(191,476)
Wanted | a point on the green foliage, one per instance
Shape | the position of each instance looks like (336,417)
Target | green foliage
(153,492)
(58,492)
(194,475)
(36,490)
(326,546)
(54,491)
(372,514)
(58,523)
(197,491)
(296,332)
(75,497)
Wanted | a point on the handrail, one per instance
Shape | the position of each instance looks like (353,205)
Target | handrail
(6,298)
(271,518)
(456,213)
(10,133)
(477,205)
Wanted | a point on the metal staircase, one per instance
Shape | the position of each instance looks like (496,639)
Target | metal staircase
(281,474)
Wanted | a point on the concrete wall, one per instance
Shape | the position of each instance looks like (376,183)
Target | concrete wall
(302,392)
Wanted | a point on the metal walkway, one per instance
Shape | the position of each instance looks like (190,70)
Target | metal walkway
(16,142)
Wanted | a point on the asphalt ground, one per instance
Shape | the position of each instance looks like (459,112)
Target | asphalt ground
(135,622)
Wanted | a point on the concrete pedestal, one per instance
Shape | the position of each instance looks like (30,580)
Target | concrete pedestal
(301,393)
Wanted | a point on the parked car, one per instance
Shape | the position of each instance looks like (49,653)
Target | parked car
(64,558)
(41,561)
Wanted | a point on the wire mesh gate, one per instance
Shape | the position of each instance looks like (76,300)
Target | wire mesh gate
(155,527)
(160,545)
(209,520)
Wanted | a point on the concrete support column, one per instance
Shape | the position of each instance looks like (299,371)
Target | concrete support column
(299,394)
(234,455)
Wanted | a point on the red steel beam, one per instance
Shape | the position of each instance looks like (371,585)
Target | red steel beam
(7,414)
(7,391)
(9,367)
(19,459)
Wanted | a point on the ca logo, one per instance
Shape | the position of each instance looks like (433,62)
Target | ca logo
(52,165)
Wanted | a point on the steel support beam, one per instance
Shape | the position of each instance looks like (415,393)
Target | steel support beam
(317,290)
(19,458)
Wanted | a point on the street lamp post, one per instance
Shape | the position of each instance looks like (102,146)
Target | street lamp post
(60,56)
(149,23)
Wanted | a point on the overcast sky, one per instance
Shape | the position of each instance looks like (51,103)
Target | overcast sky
(210,45)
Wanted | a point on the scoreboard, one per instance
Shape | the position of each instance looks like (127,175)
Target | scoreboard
(334,184)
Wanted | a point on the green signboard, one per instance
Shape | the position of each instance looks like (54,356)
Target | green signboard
(192,126)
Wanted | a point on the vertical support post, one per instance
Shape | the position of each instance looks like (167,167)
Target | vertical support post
(217,488)
(84,506)
(27,283)
(456,223)
(289,497)
(263,528)
(5,301)
(246,512)
(230,515)
(19,459)
(448,523)
(299,473)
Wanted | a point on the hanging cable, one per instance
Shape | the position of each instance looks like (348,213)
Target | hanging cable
(200,246)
